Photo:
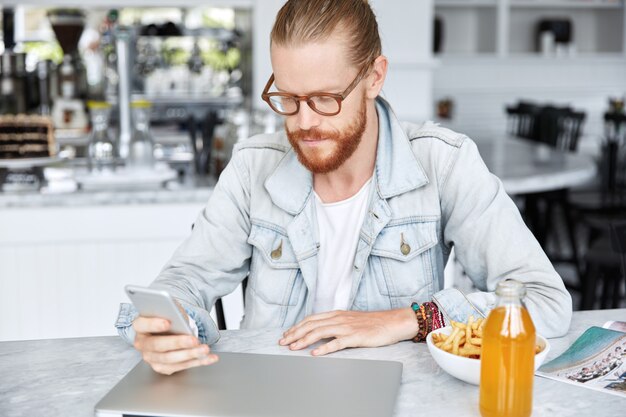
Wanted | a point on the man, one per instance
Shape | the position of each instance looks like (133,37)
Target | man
(348,217)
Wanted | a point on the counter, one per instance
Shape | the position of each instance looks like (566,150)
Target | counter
(61,253)
(67,377)
(195,190)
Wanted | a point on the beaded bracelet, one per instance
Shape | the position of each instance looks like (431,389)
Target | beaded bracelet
(428,317)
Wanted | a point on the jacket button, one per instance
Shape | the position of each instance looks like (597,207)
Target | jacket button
(278,252)
(405,249)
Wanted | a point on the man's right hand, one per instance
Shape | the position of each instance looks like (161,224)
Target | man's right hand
(166,353)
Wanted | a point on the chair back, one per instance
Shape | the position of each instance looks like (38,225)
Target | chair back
(521,120)
(618,237)
(613,155)
(558,127)
(618,244)
(615,126)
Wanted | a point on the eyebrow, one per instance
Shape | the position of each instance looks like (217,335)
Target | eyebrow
(337,90)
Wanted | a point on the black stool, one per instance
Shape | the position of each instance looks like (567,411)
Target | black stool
(606,265)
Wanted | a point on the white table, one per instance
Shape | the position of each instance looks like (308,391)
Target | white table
(67,377)
(528,167)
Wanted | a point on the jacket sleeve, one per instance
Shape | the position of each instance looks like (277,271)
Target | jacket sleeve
(213,260)
(492,243)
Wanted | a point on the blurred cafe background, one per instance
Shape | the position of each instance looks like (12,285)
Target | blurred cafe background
(116,119)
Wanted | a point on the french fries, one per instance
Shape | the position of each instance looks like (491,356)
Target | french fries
(466,339)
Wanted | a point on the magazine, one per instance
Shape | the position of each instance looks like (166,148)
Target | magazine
(596,360)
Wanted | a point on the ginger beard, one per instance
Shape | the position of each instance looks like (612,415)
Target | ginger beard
(321,161)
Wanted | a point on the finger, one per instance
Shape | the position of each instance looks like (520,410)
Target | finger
(302,330)
(334,345)
(150,325)
(315,317)
(317,335)
(176,356)
(169,369)
(153,343)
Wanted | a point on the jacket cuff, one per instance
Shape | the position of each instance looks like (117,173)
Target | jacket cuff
(207,330)
(455,305)
(125,317)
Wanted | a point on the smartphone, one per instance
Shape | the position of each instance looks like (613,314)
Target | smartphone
(158,303)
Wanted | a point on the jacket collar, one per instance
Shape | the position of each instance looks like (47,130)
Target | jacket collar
(397,169)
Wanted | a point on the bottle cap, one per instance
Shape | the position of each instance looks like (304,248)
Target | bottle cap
(510,288)
(92,105)
(140,104)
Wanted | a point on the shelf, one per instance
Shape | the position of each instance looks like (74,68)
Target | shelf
(563,4)
(466,3)
(130,3)
(531,58)
(532,4)
(465,56)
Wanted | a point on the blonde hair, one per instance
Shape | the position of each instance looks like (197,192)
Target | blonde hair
(302,21)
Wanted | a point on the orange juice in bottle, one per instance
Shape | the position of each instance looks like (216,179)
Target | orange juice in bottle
(508,355)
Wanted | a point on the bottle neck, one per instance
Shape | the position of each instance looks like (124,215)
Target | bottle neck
(510,292)
(509,301)
(100,121)
(141,118)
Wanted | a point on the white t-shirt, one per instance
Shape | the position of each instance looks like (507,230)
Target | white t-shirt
(339,227)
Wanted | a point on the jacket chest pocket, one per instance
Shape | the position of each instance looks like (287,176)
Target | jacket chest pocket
(402,260)
(274,270)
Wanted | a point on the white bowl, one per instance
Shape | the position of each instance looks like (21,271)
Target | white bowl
(467,369)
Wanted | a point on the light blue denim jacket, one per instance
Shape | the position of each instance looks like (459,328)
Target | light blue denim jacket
(431,190)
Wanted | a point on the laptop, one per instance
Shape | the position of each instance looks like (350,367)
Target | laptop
(255,385)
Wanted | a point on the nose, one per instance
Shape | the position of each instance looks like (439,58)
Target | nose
(306,118)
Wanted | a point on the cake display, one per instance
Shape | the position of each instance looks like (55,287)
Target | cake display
(26,136)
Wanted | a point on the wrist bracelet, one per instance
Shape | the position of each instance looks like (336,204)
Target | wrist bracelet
(428,318)
(421,325)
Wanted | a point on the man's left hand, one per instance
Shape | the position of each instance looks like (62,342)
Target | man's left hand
(351,329)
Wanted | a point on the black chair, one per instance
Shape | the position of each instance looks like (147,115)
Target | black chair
(598,207)
(606,268)
(608,196)
(521,119)
(557,127)
(560,128)
(219,307)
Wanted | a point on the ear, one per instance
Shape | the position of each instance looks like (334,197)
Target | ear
(376,78)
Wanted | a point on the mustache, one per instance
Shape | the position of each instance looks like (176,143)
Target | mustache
(311,134)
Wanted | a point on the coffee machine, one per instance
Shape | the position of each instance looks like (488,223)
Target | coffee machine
(68,110)
(13,77)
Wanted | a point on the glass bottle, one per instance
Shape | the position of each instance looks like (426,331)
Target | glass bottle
(141,152)
(507,359)
(101,152)
(67,78)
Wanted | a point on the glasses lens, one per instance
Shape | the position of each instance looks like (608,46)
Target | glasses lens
(283,104)
(324,104)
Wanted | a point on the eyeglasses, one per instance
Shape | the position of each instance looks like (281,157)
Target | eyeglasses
(326,104)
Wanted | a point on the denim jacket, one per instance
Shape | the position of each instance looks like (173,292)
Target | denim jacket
(431,191)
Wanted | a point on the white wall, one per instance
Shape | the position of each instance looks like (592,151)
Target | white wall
(63,269)
(406,30)
(262,22)
(482,87)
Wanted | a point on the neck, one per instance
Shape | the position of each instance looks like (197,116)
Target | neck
(348,179)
